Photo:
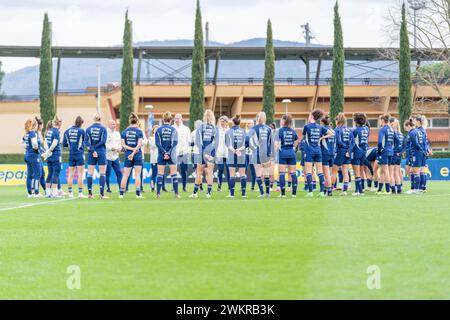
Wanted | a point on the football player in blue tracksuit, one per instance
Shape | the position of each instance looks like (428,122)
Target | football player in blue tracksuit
(41,151)
(370,167)
(313,133)
(206,142)
(95,140)
(386,138)
(327,148)
(421,123)
(132,138)
(74,140)
(360,146)
(286,141)
(344,145)
(408,125)
(166,139)
(236,142)
(261,143)
(32,156)
(53,157)
(396,174)
(418,153)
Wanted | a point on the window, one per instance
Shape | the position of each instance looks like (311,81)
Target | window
(349,123)
(373,123)
(186,123)
(278,123)
(439,123)
(299,123)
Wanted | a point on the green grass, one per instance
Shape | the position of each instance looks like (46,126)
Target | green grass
(226,249)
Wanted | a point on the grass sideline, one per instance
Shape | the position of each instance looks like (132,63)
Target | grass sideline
(226,249)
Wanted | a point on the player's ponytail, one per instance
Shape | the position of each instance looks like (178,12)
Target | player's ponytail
(385,118)
(326,121)
(341,119)
(317,114)
(29,125)
(49,125)
(79,122)
(286,120)
(167,117)
(133,119)
(261,117)
(97,117)
(57,121)
(237,120)
(360,118)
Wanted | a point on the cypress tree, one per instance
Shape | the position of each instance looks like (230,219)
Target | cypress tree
(337,76)
(127,102)
(268,105)
(46,102)
(196,107)
(405,82)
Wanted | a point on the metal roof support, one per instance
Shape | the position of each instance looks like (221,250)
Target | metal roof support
(58,65)
(316,82)
(216,72)
(307,71)
(138,76)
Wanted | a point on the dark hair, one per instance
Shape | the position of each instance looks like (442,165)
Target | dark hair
(287,120)
(133,118)
(273,125)
(360,118)
(317,114)
(326,121)
(385,117)
(419,118)
(408,123)
(39,121)
(79,121)
(236,120)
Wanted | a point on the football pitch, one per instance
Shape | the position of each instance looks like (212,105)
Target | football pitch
(226,249)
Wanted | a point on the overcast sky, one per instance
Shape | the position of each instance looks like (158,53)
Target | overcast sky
(96,23)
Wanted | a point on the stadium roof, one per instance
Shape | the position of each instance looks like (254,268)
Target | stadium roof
(226,52)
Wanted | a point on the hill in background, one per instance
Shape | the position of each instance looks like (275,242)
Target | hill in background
(82,73)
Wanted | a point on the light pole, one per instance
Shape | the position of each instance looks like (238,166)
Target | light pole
(151,117)
(286,104)
(98,89)
(416,5)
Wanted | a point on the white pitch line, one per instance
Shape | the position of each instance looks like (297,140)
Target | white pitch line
(33,204)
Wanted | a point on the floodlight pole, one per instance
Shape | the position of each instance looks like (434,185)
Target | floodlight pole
(98,89)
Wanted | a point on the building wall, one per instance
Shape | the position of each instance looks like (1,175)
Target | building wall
(14,114)
(245,99)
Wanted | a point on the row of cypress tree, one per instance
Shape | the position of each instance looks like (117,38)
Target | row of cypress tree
(197,100)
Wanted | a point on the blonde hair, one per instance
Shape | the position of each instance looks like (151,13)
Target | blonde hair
(97,117)
(261,117)
(424,121)
(29,125)
(209,118)
(154,128)
(395,125)
(167,117)
(56,121)
(341,119)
